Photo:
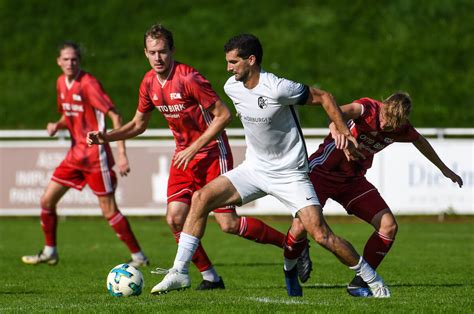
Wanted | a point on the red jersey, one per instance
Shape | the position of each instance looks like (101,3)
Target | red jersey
(183,99)
(329,161)
(84,104)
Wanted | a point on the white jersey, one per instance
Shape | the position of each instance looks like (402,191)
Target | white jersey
(270,119)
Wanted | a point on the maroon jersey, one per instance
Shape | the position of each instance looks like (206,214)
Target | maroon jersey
(331,162)
(84,104)
(183,99)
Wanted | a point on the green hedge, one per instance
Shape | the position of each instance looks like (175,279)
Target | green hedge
(350,48)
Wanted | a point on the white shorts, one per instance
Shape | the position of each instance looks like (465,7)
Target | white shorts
(294,190)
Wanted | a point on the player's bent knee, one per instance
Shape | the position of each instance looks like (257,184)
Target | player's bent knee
(389,229)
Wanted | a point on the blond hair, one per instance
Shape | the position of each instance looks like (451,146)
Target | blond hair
(397,109)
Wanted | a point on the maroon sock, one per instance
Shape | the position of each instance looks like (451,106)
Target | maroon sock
(200,258)
(256,230)
(49,223)
(293,247)
(376,248)
(122,228)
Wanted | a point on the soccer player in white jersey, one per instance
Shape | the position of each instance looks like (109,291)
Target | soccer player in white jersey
(276,164)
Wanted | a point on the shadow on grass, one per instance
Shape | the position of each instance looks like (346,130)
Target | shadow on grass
(260,264)
(439,285)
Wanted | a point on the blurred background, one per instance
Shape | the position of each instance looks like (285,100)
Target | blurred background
(350,48)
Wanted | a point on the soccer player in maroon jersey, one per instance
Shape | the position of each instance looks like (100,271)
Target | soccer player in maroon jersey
(375,125)
(197,118)
(83,105)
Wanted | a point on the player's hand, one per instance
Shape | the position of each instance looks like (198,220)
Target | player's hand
(448,173)
(95,138)
(183,157)
(340,141)
(52,128)
(351,150)
(123,165)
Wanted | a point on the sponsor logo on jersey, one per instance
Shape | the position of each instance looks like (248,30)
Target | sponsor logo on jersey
(171,108)
(262,102)
(388,140)
(175,96)
(72,107)
(76,97)
(155,97)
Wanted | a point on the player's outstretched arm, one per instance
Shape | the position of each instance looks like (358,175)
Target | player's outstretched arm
(133,128)
(428,151)
(222,118)
(122,160)
(318,96)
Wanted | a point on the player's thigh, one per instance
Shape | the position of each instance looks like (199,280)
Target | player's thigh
(220,192)
(362,199)
(52,194)
(245,184)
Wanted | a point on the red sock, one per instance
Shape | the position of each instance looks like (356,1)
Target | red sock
(376,248)
(200,258)
(256,230)
(123,230)
(294,247)
(49,223)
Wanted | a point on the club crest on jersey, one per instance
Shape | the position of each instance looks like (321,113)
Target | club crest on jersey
(76,97)
(175,96)
(373,133)
(155,97)
(62,96)
(262,102)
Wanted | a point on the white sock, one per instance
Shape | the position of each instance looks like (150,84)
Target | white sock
(210,275)
(186,247)
(364,270)
(138,256)
(49,250)
(289,263)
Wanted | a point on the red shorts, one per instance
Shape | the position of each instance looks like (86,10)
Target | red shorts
(182,184)
(358,197)
(100,182)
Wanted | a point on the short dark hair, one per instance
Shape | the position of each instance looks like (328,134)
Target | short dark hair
(70,44)
(246,45)
(159,31)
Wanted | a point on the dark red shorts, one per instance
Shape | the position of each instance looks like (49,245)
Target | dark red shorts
(182,184)
(101,182)
(358,197)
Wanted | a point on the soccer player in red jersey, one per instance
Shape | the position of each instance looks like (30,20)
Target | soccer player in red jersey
(375,125)
(83,105)
(197,118)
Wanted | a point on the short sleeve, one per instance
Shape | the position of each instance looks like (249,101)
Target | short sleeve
(369,109)
(96,96)
(144,102)
(200,89)
(408,133)
(291,93)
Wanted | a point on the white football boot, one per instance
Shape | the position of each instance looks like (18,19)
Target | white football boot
(173,280)
(378,288)
(39,258)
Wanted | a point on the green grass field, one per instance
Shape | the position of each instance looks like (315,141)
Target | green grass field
(430,269)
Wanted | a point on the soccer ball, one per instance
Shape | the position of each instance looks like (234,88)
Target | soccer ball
(125,280)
